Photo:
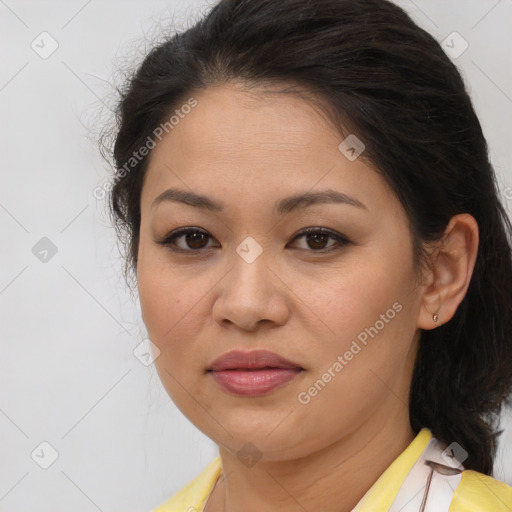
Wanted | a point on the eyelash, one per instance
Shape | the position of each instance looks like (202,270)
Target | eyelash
(169,240)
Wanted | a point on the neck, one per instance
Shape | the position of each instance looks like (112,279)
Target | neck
(332,479)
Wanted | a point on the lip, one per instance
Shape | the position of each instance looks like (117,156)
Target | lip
(252,373)
(255,359)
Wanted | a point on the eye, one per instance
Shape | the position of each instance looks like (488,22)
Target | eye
(318,237)
(196,239)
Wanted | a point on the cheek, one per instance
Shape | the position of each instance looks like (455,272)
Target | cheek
(174,310)
(351,298)
(168,315)
(156,304)
(368,310)
(164,293)
(160,313)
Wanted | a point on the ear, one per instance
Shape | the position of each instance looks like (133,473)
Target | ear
(452,264)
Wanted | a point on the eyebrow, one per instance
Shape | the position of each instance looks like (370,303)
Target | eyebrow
(283,206)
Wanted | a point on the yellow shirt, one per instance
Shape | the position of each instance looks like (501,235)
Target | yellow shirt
(476,492)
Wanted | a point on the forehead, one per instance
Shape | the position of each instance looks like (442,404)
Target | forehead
(229,120)
(258,145)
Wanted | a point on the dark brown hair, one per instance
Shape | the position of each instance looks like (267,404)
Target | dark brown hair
(387,80)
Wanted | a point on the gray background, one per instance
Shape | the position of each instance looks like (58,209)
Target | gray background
(68,374)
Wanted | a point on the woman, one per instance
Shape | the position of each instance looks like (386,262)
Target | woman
(323,262)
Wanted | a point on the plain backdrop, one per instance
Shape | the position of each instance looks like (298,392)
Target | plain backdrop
(73,396)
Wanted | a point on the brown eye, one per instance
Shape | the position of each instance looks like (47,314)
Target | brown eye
(317,238)
(193,239)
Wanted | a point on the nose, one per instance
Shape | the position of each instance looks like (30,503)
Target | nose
(252,294)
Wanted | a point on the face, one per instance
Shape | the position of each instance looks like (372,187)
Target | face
(340,303)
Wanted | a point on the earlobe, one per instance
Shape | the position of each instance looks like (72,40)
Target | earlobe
(430,313)
(453,263)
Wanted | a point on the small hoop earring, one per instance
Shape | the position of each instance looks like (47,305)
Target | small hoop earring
(435,318)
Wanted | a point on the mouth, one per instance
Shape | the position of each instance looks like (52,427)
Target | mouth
(253,373)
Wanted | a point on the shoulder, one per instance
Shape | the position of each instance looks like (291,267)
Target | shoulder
(192,497)
(477,492)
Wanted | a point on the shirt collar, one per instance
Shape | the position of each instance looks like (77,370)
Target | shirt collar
(382,493)
(379,497)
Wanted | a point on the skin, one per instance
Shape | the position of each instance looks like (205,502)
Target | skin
(248,150)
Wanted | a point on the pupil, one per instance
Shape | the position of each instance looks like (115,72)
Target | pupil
(193,238)
(318,238)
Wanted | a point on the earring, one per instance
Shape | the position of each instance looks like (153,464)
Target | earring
(435,318)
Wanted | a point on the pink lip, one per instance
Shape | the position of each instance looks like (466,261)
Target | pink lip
(254,382)
(252,373)
(255,359)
